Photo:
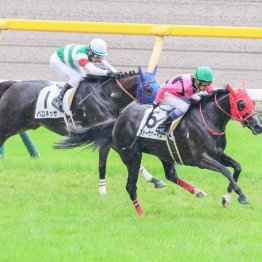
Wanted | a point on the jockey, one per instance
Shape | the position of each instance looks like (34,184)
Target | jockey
(180,91)
(76,61)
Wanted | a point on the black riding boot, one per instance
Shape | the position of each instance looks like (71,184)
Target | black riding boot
(163,128)
(58,101)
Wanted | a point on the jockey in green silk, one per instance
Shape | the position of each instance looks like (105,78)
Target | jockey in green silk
(75,61)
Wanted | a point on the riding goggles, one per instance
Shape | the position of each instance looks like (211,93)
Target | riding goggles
(97,56)
(204,83)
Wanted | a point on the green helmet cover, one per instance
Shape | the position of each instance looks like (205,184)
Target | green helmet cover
(204,73)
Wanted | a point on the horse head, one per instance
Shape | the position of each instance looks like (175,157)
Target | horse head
(147,86)
(242,109)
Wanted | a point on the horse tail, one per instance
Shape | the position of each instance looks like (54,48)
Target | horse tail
(98,135)
(4,86)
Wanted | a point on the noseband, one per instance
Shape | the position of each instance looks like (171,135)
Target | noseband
(234,113)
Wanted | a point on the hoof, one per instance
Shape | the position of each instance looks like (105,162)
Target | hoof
(138,208)
(140,211)
(243,200)
(200,193)
(157,183)
(225,201)
(102,190)
(160,184)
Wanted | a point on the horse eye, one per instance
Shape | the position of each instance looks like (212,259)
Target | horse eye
(241,105)
(148,91)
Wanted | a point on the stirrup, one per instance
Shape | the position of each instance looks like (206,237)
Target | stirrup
(162,130)
(57,103)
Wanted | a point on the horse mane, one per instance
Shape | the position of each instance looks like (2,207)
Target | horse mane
(127,74)
(207,98)
(121,75)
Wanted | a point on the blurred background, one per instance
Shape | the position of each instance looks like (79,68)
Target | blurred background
(25,55)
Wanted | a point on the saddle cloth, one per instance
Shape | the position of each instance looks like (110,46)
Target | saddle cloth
(44,108)
(149,129)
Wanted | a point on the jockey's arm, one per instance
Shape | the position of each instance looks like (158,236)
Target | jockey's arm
(90,68)
(107,66)
(168,88)
(210,88)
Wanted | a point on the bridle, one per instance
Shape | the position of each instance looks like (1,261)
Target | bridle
(128,93)
(236,115)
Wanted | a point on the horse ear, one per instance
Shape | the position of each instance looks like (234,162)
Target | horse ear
(231,89)
(141,73)
(154,71)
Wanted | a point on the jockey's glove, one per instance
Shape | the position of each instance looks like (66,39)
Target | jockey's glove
(113,74)
(195,97)
(155,104)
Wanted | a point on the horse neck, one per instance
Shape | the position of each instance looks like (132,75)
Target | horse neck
(121,98)
(218,112)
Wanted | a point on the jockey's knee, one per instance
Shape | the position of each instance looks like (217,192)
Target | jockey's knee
(74,81)
(177,112)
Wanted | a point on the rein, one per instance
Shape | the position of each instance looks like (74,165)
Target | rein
(124,90)
(209,129)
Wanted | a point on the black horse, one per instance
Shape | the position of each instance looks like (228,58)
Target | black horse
(200,140)
(108,96)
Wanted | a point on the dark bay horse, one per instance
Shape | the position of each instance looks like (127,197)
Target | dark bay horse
(200,140)
(18,102)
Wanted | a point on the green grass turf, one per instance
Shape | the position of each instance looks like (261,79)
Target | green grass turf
(50,209)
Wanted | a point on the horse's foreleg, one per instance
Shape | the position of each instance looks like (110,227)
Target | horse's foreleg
(229,162)
(103,154)
(132,162)
(210,163)
(171,174)
(149,178)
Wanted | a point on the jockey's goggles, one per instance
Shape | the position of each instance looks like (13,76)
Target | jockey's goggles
(97,56)
(204,83)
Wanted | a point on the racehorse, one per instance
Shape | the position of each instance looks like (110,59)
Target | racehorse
(106,98)
(200,140)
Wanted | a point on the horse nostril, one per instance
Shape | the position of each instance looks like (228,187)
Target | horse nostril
(258,129)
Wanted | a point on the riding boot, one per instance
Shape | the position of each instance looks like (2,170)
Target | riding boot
(58,101)
(163,128)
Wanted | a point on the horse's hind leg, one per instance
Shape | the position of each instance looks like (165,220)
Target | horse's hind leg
(171,174)
(149,178)
(103,154)
(132,162)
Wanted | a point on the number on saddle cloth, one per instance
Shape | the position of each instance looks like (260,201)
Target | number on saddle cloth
(149,126)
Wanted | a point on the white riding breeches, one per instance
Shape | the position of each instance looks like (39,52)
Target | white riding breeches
(74,74)
(176,102)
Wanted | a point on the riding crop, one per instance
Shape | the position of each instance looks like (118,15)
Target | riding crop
(84,99)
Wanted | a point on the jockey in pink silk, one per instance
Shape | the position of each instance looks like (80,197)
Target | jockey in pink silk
(180,91)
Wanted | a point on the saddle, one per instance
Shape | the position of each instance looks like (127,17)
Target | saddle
(44,108)
(148,127)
